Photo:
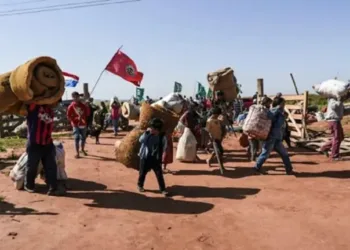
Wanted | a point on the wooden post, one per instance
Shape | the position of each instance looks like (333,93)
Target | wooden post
(86,91)
(260,88)
(305,135)
(1,127)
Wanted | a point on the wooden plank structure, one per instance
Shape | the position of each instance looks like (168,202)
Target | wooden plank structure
(316,144)
(8,123)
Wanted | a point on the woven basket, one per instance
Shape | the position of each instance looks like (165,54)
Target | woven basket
(149,112)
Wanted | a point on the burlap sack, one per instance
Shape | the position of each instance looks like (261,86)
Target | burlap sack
(257,124)
(126,151)
(224,80)
(39,80)
(149,112)
(7,97)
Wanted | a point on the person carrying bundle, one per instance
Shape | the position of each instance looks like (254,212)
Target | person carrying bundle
(334,116)
(275,138)
(152,152)
(254,144)
(217,131)
(40,147)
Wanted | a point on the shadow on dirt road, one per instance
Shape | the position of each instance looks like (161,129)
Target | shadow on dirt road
(210,192)
(120,199)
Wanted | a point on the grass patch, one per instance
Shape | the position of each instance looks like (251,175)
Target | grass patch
(18,142)
(11,142)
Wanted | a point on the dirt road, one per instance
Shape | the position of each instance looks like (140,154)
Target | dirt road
(208,211)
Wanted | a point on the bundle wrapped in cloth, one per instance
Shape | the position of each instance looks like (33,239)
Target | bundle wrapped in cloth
(38,81)
(224,80)
(173,102)
(332,88)
(257,124)
(126,150)
(18,172)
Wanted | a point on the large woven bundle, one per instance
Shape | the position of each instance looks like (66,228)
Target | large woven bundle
(130,111)
(257,124)
(39,81)
(149,112)
(7,97)
(126,150)
(225,80)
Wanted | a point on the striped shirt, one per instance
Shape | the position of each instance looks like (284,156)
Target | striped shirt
(40,121)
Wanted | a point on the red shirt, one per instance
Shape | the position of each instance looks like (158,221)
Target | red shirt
(77,114)
(40,122)
(115,111)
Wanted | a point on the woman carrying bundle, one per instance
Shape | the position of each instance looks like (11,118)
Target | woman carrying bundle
(275,138)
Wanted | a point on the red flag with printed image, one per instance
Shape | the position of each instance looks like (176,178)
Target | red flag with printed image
(123,66)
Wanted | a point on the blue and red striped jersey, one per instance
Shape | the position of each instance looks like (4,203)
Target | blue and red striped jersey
(40,121)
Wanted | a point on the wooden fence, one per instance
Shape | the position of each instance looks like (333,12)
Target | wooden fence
(8,123)
(296,108)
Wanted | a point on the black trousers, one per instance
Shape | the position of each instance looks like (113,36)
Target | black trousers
(47,155)
(145,166)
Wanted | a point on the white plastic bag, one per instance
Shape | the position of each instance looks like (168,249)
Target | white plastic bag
(173,102)
(180,128)
(18,171)
(332,88)
(187,147)
(320,116)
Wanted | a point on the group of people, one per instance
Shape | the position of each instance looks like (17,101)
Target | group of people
(208,120)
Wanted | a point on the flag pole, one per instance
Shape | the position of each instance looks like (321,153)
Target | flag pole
(99,77)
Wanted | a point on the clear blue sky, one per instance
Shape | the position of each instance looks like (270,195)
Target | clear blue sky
(183,40)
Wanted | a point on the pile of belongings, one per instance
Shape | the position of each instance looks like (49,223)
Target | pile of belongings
(18,172)
(257,123)
(38,81)
(127,149)
(224,80)
(332,88)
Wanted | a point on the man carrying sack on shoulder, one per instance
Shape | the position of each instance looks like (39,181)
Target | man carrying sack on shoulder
(40,147)
(334,116)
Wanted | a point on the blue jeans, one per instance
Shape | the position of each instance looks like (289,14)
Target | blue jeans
(115,125)
(79,135)
(277,145)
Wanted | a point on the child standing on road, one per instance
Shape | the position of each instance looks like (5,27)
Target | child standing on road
(97,124)
(152,152)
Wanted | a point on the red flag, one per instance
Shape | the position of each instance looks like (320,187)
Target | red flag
(123,66)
